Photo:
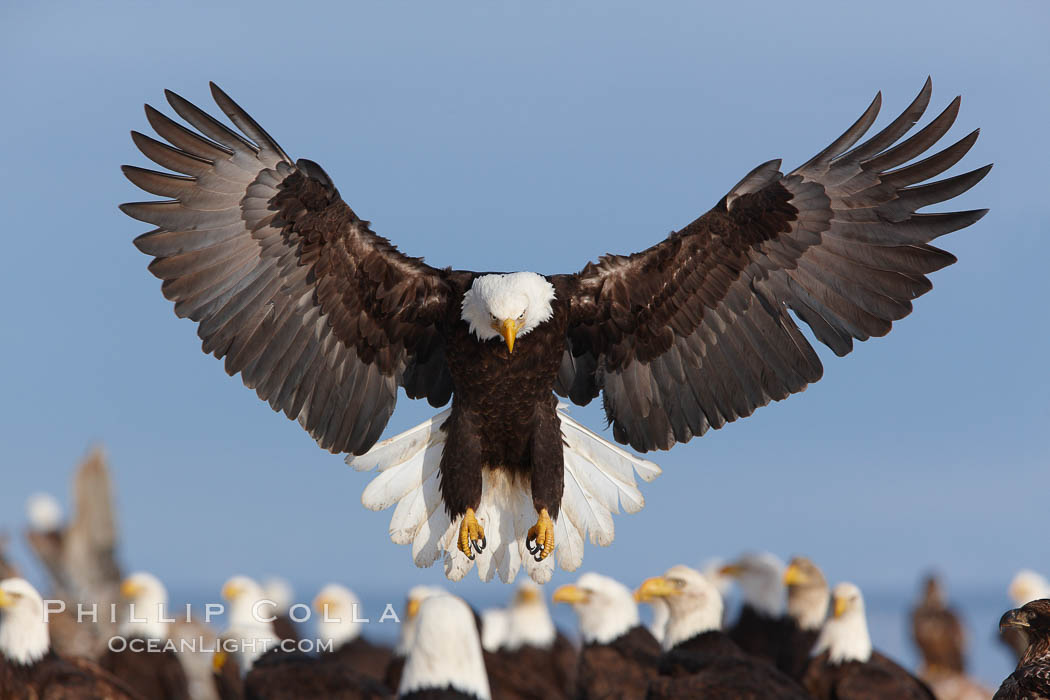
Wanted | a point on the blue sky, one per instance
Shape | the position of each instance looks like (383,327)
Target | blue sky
(536,136)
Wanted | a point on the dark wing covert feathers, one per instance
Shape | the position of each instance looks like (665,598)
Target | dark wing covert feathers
(694,332)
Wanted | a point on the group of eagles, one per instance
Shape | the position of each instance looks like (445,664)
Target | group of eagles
(812,642)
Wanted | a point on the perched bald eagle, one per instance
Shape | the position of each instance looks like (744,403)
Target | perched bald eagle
(445,661)
(325,320)
(1031,680)
(846,667)
(700,660)
(808,597)
(1025,586)
(152,672)
(407,633)
(339,622)
(619,656)
(535,661)
(279,590)
(940,636)
(938,632)
(29,668)
(763,628)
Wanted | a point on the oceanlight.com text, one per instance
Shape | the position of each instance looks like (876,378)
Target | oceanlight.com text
(229,646)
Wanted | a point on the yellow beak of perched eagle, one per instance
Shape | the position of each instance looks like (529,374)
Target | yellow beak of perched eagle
(657,587)
(570,594)
(840,606)
(129,588)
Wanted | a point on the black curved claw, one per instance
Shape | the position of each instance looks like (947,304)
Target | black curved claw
(532,550)
(479,545)
(538,558)
(469,555)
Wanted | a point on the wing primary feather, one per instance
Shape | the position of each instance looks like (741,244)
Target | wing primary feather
(208,125)
(246,124)
(932,166)
(915,198)
(922,140)
(896,129)
(849,137)
(181,137)
(170,157)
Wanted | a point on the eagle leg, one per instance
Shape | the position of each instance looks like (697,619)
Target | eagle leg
(542,533)
(471,535)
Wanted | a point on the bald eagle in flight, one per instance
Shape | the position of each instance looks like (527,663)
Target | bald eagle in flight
(326,320)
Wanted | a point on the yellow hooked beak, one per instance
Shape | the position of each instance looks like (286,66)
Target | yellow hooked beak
(6,601)
(570,594)
(412,609)
(656,587)
(218,660)
(793,576)
(527,595)
(231,591)
(840,607)
(509,330)
(129,589)
(730,570)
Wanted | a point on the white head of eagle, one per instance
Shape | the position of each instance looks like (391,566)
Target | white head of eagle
(24,636)
(507,306)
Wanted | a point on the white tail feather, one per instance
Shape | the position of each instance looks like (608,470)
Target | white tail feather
(599,480)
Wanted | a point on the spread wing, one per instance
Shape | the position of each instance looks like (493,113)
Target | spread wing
(695,331)
(322,317)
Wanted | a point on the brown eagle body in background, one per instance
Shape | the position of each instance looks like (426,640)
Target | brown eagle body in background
(325,320)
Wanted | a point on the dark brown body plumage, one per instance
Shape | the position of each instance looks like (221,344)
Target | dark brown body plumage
(280,675)
(879,677)
(763,636)
(56,678)
(794,656)
(229,683)
(533,673)
(503,412)
(364,658)
(619,670)
(392,673)
(153,674)
(711,665)
(446,693)
(285,628)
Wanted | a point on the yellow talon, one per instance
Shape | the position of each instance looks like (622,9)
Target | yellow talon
(471,534)
(542,533)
